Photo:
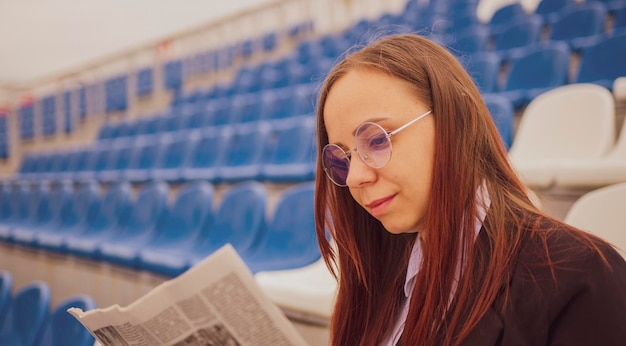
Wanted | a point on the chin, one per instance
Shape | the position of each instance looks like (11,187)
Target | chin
(400,230)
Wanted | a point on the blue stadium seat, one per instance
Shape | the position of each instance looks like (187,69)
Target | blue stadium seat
(120,159)
(62,329)
(536,70)
(612,5)
(74,217)
(602,63)
(580,26)
(47,214)
(111,215)
(144,158)
(245,154)
(173,75)
(74,155)
(501,110)
(473,39)
(26,316)
(239,219)
(269,41)
(505,15)
(100,159)
(43,166)
(148,210)
(619,20)
(460,22)
(549,9)
(48,115)
(519,33)
(27,166)
(304,100)
(218,112)
(27,122)
(207,154)
(8,192)
(182,227)
(174,155)
(276,103)
(108,131)
(290,151)
(59,167)
(246,108)
(148,126)
(83,164)
(6,287)
(172,123)
(185,216)
(290,240)
(31,204)
(484,68)
(195,117)
(145,82)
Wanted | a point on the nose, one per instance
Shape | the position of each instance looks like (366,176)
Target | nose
(359,173)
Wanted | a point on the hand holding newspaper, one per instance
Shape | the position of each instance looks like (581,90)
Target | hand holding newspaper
(216,302)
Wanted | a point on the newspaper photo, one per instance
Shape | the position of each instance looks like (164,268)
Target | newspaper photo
(216,302)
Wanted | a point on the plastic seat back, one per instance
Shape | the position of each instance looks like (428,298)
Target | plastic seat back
(244,156)
(484,68)
(176,152)
(191,210)
(501,110)
(26,316)
(290,240)
(7,197)
(519,33)
(619,19)
(209,150)
(6,287)
(112,210)
(290,150)
(62,329)
(22,203)
(577,22)
(472,40)
(49,210)
(80,206)
(505,15)
(569,122)
(146,211)
(549,9)
(38,194)
(603,62)
(539,67)
(239,218)
(601,212)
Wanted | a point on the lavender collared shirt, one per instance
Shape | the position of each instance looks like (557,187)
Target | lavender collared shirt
(414,264)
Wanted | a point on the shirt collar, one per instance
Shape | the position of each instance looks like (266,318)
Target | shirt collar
(482,197)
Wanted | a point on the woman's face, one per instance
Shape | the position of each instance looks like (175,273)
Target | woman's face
(398,193)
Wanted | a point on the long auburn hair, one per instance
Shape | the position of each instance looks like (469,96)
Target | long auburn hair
(371,263)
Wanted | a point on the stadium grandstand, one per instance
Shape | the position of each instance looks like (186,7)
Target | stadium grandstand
(123,168)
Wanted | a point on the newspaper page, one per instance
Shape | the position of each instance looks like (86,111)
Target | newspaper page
(216,302)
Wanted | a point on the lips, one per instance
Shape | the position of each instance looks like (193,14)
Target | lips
(379,206)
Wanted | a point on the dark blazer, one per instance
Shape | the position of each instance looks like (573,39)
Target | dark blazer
(583,302)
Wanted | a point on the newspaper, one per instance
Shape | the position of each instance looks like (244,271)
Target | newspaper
(216,302)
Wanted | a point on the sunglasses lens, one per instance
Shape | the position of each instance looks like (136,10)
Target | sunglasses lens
(373,145)
(336,164)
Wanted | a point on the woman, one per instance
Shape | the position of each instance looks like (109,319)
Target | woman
(439,243)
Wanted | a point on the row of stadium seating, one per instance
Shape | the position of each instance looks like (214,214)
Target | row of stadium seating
(26,317)
(148,232)
(278,151)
